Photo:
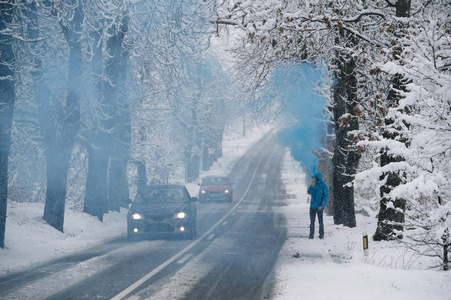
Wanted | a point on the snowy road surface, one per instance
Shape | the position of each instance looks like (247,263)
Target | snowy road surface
(244,249)
(232,258)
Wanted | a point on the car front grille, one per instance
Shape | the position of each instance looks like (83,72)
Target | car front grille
(158,227)
(159,218)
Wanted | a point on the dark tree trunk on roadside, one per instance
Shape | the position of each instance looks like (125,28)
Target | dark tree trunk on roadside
(59,142)
(118,190)
(96,197)
(206,157)
(48,116)
(188,162)
(101,195)
(218,148)
(192,149)
(391,217)
(7,100)
(142,175)
(326,168)
(345,159)
(195,158)
(96,185)
(445,239)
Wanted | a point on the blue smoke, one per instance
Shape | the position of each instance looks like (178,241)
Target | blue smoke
(296,84)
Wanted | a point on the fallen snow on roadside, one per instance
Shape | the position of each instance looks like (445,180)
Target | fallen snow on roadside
(336,267)
(29,240)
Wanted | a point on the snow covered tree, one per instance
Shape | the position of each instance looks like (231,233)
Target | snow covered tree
(51,59)
(107,187)
(60,133)
(421,115)
(332,31)
(174,38)
(392,210)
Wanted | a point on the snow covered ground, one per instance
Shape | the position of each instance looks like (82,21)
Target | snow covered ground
(337,268)
(333,268)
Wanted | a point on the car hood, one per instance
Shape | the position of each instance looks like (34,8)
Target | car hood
(214,188)
(159,208)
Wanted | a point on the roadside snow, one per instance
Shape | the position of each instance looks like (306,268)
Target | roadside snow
(337,268)
(333,268)
(29,240)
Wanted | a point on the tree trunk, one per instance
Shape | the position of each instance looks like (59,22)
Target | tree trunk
(101,193)
(58,163)
(142,175)
(7,100)
(391,217)
(118,190)
(55,152)
(57,166)
(205,156)
(445,258)
(96,197)
(188,162)
(345,159)
(96,184)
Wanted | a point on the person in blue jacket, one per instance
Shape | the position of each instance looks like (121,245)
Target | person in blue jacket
(320,196)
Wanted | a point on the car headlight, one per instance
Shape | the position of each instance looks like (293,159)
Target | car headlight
(137,217)
(180,215)
(226,191)
(203,191)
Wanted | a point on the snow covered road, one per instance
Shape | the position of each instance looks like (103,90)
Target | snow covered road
(243,250)
(233,257)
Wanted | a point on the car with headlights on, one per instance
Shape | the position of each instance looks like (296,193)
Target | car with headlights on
(216,188)
(162,211)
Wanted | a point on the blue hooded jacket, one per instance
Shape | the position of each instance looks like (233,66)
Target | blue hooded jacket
(319,192)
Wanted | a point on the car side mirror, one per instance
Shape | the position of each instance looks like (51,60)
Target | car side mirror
(194,199)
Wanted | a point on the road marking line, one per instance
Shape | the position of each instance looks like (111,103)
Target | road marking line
(155,271)
(211,236)
(184,258)
(225,223)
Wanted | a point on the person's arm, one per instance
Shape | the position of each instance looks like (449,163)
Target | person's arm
(310,190)
(326,195)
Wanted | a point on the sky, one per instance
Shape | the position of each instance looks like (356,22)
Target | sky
(333,268)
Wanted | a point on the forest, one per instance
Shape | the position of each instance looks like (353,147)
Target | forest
(98,98)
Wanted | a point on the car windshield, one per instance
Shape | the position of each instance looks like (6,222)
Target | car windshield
(160,195)
(214,181)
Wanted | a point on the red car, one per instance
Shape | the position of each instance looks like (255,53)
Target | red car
(216,188)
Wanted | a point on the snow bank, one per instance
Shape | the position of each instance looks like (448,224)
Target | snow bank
(337,268)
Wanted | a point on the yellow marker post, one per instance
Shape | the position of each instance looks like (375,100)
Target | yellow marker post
(365,244)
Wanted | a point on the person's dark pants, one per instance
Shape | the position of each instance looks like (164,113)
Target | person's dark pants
(313,213)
